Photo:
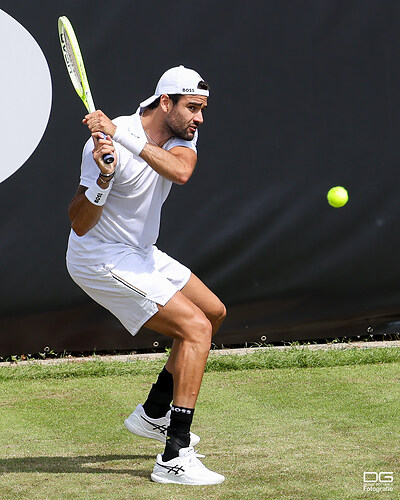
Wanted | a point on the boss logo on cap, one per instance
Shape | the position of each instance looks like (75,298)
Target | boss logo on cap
(187,90)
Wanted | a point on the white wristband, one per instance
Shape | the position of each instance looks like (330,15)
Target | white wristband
(96,195)
(130,140)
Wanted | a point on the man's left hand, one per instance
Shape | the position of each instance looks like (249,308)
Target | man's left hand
(99,122)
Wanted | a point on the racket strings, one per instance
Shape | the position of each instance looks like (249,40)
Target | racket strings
(72,64)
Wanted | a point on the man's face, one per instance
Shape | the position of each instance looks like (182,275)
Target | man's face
(186,115)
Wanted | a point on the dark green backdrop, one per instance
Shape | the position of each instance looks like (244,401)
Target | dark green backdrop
(305,96)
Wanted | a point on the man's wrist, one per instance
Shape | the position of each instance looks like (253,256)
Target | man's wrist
(103,183)
(131,141)
(97,194)
(105,178)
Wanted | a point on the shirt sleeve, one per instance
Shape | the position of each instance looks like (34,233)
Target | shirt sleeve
(177,141)
(89,169)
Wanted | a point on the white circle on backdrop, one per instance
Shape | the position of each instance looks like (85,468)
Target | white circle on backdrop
(25,94)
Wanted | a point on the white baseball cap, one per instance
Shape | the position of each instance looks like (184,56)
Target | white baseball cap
(178,80)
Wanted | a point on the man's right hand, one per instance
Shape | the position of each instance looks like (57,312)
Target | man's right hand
(103,146)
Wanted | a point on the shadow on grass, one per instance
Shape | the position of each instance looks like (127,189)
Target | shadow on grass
(92,464)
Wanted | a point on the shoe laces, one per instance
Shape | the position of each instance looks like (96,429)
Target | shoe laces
(193,459)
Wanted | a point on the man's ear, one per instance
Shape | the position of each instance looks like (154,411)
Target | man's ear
(165,103)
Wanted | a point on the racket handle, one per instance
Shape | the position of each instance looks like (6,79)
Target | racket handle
(108,158)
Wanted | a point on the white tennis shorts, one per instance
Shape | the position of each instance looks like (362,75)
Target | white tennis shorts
(133,285)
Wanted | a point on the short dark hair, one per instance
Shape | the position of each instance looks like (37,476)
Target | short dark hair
(175,97)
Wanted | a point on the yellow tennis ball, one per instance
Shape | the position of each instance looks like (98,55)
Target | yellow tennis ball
(337,196)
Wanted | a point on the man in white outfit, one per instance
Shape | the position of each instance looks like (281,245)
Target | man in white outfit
(115,217)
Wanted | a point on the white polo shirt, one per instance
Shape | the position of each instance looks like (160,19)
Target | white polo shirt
(131,214)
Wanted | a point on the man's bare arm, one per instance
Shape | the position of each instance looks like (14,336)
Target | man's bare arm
(176,165)
(83,214)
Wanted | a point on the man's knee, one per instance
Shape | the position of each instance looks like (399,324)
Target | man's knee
(198,330)
(222,313)
(217,315)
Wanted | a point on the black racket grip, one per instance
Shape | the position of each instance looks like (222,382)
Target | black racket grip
(108,158)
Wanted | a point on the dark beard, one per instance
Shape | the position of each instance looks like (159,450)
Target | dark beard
(178,132)
(185,135)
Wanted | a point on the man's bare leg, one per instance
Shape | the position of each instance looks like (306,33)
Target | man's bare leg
(182,320)
(191,330)
(197,292)
(200,295)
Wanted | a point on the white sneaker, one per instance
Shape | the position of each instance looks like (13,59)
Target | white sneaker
(154,428)
(185,469)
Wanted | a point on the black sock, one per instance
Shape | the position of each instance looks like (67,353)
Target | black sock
(159,399)
(178,433)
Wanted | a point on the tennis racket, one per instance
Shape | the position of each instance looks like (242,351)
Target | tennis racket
(76,69)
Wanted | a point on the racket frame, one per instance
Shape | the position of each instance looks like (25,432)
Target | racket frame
(76,68)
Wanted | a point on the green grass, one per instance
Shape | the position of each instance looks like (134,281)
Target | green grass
(307,430)
(269,358)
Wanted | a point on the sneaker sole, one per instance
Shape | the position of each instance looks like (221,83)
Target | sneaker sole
(166,480)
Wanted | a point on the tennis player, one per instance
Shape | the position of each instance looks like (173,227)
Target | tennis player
(115,218)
